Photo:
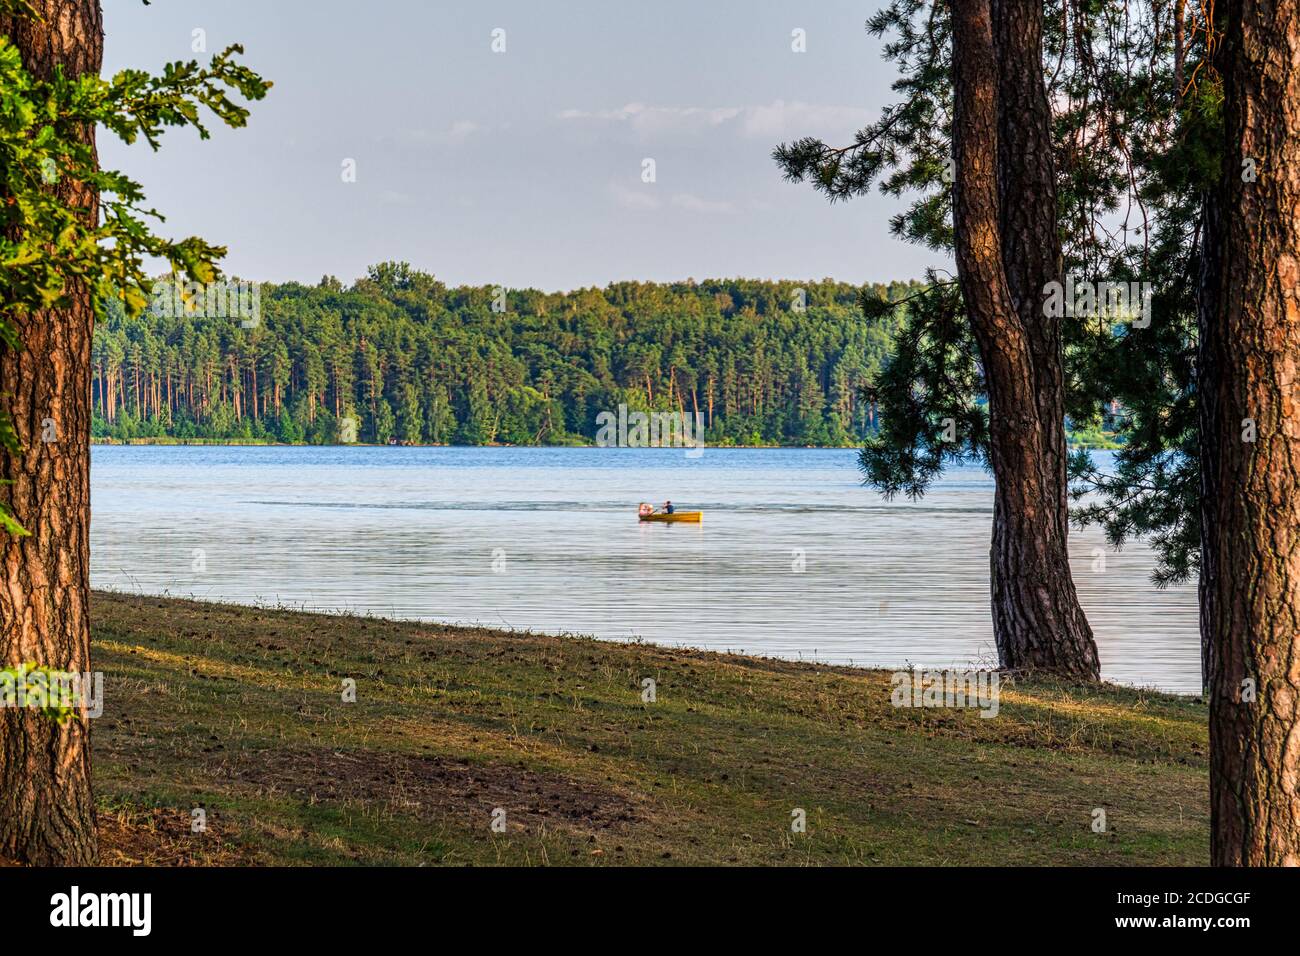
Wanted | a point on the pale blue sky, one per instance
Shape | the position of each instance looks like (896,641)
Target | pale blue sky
(521,168)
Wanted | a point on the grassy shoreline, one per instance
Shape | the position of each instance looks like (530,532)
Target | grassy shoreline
(239,710)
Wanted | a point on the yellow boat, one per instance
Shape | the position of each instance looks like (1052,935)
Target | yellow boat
(694,516)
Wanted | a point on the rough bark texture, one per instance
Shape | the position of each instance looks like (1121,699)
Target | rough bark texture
(1207,305)
(46,809)
(1252,347)
(1008,248)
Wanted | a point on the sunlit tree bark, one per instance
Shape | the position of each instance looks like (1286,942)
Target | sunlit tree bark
(1005,219)
(1251,379)
(46,809)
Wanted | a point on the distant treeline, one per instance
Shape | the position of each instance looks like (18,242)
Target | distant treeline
(407,359)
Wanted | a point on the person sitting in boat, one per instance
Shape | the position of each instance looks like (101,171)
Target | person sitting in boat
(668,507)
(645,509)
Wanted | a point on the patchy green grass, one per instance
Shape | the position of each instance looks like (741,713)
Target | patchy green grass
(240,711)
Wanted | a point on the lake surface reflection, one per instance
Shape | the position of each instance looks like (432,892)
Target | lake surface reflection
(794,558)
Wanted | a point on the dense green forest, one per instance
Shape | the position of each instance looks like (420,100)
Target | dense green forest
(411,360)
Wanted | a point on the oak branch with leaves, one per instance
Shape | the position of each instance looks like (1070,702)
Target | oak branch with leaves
(45,241)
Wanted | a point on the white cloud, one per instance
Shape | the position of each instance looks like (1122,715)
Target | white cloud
(639,199)
(694,203)
(643,199)
(461,130)
(454,135)
(777,120)
(658,120)
(782,120)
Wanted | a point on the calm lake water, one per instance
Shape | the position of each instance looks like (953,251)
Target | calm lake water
(795,558)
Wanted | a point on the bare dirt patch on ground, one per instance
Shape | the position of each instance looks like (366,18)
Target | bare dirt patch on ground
(162,837)
(430,785)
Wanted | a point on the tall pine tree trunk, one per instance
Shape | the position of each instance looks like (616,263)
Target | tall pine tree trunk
(1252,377)
(1207,305)
(46,810)
(1005,215)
